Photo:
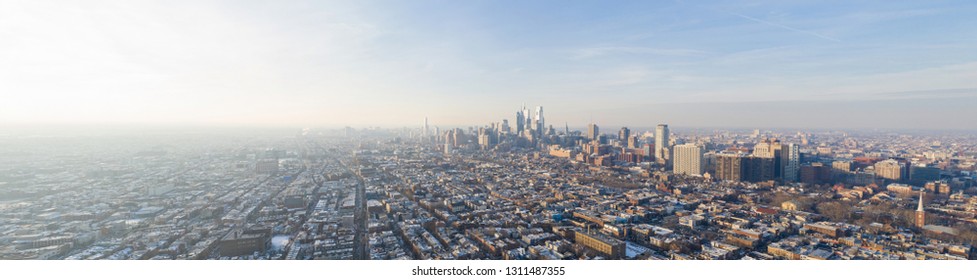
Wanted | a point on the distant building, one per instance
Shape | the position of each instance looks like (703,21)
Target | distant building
(624,134)
(633,142)
(757,169)
(940,188)
(921,174)
(688,159)
(661,144)
(841,167)
(729,167)
(889,169)
(790,162)
(606,245)
(245,242)
(815,173)
(266,166)
(593,131)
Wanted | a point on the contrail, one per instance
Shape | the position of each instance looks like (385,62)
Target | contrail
(765,22)
(781,26)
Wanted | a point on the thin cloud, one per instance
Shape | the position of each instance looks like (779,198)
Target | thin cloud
(603,51)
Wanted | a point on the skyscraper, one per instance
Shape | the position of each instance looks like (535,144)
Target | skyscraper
(593,131)
(623,134)
(426,128)
(520,123)
(447,144)
(539,122)
(661,144)
(688,159)
(790,162)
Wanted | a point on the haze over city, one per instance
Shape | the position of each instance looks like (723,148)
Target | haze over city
(366,63)
(488,130)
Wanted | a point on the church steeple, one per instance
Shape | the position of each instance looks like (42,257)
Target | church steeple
(920,213)
(920,208)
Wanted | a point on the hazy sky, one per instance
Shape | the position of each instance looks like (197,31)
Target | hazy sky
(391,63)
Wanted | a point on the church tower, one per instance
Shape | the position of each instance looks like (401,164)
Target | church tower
(920,213)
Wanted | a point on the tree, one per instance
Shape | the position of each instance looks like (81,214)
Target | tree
(834,211)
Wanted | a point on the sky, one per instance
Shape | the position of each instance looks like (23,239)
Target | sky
(817,64)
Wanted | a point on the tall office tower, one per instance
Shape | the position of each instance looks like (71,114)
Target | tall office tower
(593,131)
(729,167)
(623,134)
(520,123)
(633,142)
(527,119)
(540,125)
(889,169)
(458,138)
(920,213)
(505,126)
(688,159)
(648,150)
(426,128)
(661,144)
(790,162)
(447,144)
(566,126)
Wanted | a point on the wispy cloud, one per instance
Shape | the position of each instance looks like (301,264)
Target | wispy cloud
(932,93)
(592,52)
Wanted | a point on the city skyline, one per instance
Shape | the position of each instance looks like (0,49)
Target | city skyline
(716,64)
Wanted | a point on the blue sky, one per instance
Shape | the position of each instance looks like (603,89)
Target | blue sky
(391,63)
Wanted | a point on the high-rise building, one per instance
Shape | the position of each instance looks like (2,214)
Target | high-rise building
(688,159)
(426,128)
(765,148)
(538,122)
(447,145)
(520,122)
(790,162)
(623,134)
(922,174)
(758,169)
(593,131)
(661,144)
(842,166)
(814,173)
(773,149)
(729,167)
(889,169)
